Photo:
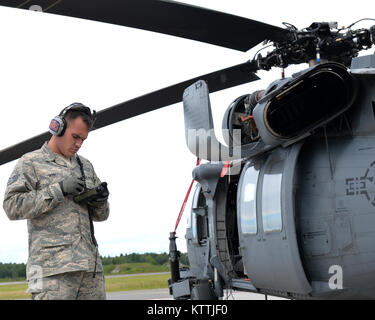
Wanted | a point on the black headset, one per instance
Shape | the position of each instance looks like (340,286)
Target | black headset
(58,124)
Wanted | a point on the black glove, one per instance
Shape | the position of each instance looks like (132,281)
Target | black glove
(72,185)
(100,199)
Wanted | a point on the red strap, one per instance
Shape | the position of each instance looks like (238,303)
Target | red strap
(227,165)
(244,119)
(185,201)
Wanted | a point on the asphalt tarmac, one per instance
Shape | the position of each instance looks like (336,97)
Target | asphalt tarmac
(163,294)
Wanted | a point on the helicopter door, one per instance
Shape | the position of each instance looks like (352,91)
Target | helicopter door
(266,223)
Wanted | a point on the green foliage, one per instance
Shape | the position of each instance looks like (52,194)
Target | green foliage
(184,260)
(12,270)
(148,257)
(147,262)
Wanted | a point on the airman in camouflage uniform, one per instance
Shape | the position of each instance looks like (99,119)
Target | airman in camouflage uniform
(62,256)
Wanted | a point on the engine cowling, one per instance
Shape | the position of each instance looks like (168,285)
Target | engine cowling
(292,108)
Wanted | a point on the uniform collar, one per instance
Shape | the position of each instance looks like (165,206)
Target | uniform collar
(48,153)
(51,156)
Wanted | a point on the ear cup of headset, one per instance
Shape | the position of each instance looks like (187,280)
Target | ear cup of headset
(57,126)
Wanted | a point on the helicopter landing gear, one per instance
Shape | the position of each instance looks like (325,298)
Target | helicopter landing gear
(203,290)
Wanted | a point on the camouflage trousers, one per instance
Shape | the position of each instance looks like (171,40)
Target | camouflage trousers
(71,286)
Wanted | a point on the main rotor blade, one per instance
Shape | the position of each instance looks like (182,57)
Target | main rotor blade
(218,80)
(18,150)
(164,16)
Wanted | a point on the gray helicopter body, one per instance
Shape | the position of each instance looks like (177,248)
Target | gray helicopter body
(297,222)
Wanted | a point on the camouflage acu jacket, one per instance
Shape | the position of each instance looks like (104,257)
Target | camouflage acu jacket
(59,229)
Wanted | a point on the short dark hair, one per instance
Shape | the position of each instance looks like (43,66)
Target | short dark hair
(74,113)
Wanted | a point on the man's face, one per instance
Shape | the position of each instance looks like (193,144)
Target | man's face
(72,140)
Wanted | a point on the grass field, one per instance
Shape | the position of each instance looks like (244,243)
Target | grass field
(13,291)
(134,267)
(17,291)
(137,282)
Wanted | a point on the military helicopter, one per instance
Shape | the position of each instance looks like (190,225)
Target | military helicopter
(285,208)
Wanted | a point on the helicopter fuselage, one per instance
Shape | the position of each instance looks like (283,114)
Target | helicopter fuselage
(297,221)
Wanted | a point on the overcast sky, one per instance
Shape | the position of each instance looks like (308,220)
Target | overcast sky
(48,62)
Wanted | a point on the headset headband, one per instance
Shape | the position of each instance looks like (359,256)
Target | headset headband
(80,107)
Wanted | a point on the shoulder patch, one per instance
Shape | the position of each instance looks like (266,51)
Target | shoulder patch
(13,179)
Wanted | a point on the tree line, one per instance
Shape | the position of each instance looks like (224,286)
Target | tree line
(12,270)
(148,257)
(18,270)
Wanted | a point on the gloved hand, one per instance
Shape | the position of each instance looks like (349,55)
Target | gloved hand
(72,185)
(100,199)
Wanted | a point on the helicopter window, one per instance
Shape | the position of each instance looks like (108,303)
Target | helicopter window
(271,197)
(248,202)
